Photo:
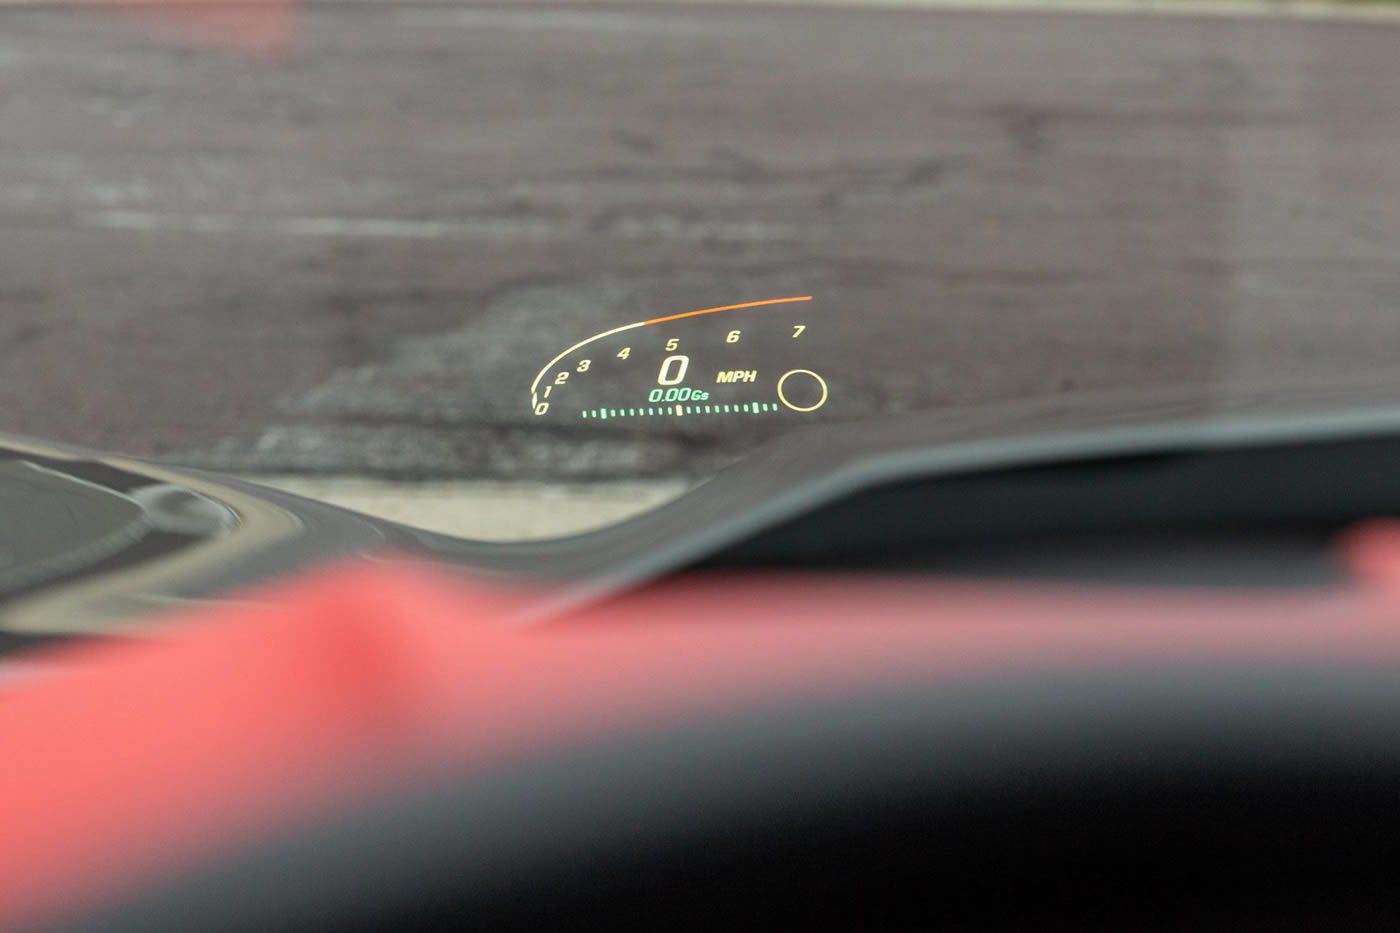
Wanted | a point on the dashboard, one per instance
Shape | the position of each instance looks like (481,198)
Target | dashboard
(1184,488)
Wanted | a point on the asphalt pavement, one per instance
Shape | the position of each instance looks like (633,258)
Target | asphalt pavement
(350,254)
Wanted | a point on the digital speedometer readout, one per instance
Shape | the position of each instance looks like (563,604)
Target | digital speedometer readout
(742,361)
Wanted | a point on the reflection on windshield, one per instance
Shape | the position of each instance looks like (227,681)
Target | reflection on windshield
(335,243)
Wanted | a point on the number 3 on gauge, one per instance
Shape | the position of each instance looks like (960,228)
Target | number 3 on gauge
(672,370)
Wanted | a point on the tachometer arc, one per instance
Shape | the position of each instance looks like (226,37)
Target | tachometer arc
(534,386)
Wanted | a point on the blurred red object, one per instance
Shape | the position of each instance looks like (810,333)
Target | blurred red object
(256,26)
(1372,552)
(125,760)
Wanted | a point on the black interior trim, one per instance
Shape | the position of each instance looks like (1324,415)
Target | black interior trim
(1308,490)
(1172,798)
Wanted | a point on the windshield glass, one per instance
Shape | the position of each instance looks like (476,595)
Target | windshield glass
(447,262)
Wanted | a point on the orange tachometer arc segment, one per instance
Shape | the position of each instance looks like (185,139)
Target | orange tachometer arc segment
(747,304)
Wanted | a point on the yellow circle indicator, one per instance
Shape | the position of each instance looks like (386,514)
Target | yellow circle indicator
(821,383)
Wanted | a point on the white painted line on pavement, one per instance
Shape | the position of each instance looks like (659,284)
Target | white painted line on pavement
(1249,9)
(488,229)
(491,229)
(632,24)
(1296,9)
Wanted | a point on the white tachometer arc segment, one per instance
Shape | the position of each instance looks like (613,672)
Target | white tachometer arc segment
(534,386)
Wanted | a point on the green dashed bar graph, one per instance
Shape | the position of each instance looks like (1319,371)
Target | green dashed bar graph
(674,411)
